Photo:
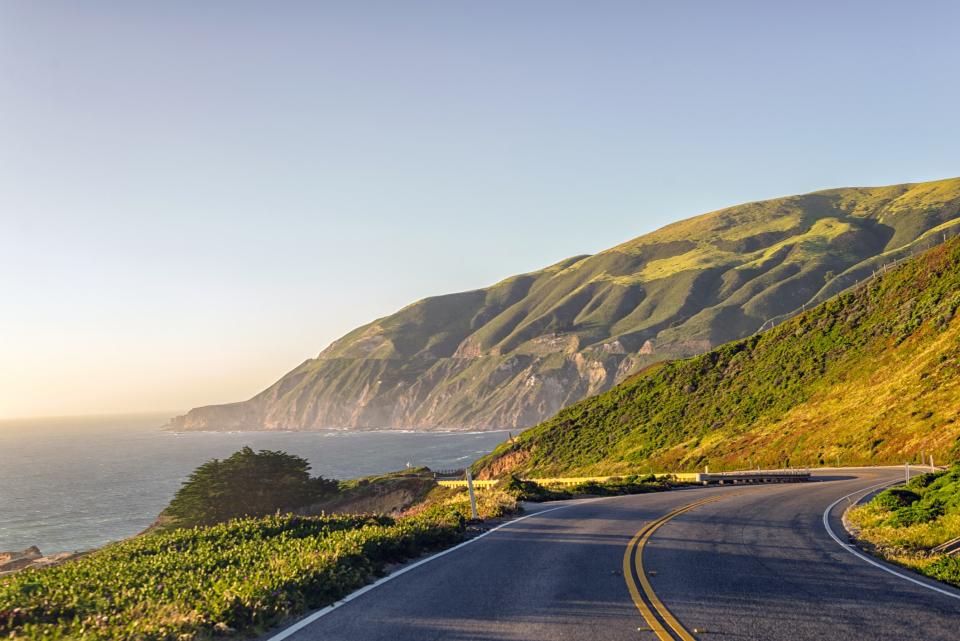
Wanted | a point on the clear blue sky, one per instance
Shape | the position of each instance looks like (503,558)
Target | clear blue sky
(196,196)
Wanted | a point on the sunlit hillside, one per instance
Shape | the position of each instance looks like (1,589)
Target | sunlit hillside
(871,376)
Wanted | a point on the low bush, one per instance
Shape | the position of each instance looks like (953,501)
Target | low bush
(946,568)
(922,480)
(626,485)
(914,514)
(894,498)
(532,491)
(528,490)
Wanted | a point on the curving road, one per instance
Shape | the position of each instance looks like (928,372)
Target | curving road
(756,563)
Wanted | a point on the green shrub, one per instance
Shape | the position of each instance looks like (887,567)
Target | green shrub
(532,491)
(527,490)
(945,489)
(894,498)
(914,514)
(628,485)
(921,481)
(592,488)
(946,568)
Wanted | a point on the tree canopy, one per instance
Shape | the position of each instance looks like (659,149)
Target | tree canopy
(248,483)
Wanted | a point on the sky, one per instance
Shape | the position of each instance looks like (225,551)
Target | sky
(196,197)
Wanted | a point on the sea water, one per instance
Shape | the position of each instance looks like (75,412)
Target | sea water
(70,484)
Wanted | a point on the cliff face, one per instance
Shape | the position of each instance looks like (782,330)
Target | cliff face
(483,392)
(512,354)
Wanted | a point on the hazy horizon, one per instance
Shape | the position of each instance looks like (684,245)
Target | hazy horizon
(200,197)
(20,420)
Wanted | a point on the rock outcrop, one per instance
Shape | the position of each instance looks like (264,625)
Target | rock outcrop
(31,557)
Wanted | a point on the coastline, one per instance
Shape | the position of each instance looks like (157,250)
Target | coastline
(73,484)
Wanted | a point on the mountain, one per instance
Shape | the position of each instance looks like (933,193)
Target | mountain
(512,354)
(871,376)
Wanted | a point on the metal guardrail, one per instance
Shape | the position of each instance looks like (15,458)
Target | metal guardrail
(754,476)
(477,484)
(950,548)
(450,474)
(566,480)
(787,472)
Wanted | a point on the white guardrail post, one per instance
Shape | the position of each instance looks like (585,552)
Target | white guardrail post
(473,498)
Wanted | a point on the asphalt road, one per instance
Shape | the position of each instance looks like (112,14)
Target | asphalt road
(757,564)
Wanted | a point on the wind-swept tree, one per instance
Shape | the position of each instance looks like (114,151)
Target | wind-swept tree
(248,483)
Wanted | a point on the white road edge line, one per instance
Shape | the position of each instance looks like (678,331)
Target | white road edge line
(849,548)
(301,624)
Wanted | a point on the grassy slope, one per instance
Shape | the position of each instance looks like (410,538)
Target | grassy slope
(870,376)
(514,353)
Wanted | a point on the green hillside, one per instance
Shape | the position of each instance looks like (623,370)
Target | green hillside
(871,376)
(512,354)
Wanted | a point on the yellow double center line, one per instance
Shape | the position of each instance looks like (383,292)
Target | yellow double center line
(633,558)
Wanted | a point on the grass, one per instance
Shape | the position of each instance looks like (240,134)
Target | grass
(810,244)
(870,376)
(904,524)
(483,358)
(491,504)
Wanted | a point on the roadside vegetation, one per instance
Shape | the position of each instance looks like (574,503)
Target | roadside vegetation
(244,575)
(530,490)
(914,524)
(492,503)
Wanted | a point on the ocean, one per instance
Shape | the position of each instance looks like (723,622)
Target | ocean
(69,484)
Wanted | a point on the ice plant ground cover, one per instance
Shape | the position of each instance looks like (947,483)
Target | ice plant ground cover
(245,575)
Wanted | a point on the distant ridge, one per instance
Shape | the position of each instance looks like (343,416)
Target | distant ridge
(512,354)
(872,376)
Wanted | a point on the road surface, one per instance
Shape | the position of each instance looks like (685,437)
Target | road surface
(749,563)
